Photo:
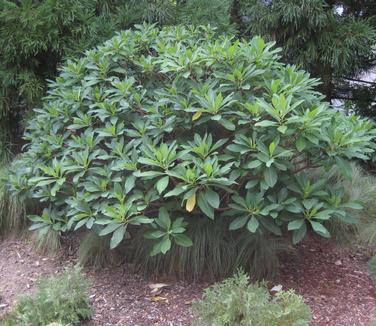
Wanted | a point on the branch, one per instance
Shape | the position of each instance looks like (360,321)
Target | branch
(358,80)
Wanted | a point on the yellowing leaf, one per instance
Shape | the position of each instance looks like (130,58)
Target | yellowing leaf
(191,203)
(196,116)
(158,298)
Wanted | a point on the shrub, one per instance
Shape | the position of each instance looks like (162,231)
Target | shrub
(235,302)
(61,299)
(158,126)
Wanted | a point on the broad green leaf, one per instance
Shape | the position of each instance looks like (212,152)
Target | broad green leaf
(270,176)
(344,167)
(266,123)
(296,224)
(163,219)
(162,184)
(117,236)
(154,234)
(320,229)
(254,164)
(204,205)
(238,222)
(282,129)
(109,229)
(300,144)
(183,240)
(165,245)
(175,192)
(212,198)
(299,234)
(253,224)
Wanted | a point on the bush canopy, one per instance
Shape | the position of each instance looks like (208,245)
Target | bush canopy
(158,125)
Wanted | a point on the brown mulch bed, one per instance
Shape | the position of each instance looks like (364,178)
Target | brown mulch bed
(334,281)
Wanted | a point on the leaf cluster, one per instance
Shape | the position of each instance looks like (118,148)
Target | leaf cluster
(158,125)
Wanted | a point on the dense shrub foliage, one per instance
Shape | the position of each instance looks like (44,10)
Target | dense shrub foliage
(157,126)
(235,302)
(59,300)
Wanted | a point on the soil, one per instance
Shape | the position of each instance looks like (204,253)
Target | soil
(333,280)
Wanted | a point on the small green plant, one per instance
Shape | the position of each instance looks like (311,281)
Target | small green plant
(61,299)
(236,302)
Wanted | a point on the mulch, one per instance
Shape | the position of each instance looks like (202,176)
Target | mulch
(333,280)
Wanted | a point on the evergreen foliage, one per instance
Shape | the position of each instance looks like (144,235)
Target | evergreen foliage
(159,125)
(36,37)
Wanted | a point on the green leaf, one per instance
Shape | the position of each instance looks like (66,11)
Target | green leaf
(299,234)
(163,219)
(162,184)
(154,234)
(265,123)
(109,229)
(282,129)
(254,164)
(117,236)
(183,240)
(175,192)
(300,144)
(227,124)
(344,167)
(212,197)
(253,224)
(238,222)
(320,229)
(165,245)
(270,176)
(129,183)
(353,205)
(204,205)
(296,224)
(140,219)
